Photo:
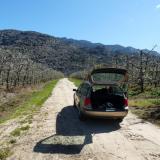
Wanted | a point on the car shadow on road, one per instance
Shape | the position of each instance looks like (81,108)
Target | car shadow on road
(72,134)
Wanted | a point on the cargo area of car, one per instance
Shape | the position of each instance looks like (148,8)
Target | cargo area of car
(110,98)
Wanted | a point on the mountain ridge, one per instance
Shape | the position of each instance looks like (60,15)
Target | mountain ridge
(81,42)
(63,54)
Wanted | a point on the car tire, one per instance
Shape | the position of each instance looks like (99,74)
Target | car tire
(119,120)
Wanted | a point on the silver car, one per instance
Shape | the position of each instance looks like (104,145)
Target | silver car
(103,94)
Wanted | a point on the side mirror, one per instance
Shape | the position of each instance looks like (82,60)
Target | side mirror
(75,90)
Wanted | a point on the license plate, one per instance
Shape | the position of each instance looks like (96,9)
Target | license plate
(110,109)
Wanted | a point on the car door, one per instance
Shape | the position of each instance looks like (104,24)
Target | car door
(83,93)
(78,95)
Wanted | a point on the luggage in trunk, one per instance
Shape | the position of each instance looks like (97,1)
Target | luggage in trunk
(103,100)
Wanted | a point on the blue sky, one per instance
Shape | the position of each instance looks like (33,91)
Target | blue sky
(126,22)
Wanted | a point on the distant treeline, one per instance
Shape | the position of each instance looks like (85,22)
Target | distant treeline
(19,70)
(143,69)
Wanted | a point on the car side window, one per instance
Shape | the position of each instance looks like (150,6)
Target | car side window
(79,89)
(84,89)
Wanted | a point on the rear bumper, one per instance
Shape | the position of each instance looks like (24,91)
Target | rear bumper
(105,114)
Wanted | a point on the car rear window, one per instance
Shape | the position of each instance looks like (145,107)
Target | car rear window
(107,77)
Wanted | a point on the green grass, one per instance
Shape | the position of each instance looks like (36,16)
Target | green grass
(77,82)
(4,153)
(146,108)
(144,102)
(149,92)
(150,113)
(145,105)
(12,141)
(17,131)
(24,128)
(32,103)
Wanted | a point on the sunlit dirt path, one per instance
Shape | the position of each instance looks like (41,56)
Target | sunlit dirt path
(56,134)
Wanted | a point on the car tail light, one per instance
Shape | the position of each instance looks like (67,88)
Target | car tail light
(126,102)
(87,101)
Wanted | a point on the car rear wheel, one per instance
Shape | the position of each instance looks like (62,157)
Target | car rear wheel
(119,120)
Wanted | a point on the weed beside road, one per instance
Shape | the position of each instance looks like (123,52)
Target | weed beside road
(29,104)
(24,109)
(146,105)
(76,82)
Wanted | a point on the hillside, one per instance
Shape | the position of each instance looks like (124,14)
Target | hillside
(62,54)
(31,65)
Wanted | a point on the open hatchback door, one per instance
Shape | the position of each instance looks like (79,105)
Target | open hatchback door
(108,76)
(105,95)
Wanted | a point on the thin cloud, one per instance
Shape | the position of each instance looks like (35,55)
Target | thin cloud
(158,6)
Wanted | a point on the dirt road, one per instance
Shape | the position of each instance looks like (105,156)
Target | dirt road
(56,134)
